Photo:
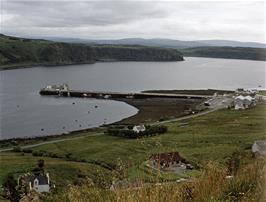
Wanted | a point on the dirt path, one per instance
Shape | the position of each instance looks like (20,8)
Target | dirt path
(50,142)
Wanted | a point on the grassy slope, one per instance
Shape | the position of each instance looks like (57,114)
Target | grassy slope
(224,130)
(62,172)
(211,137)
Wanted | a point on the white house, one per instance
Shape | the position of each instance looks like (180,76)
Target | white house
(259,147)
(40,183)
(106,96)
(260,97)
(243,102)
(139,128)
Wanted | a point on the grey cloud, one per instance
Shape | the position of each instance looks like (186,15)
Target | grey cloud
(68,14)
(120,19)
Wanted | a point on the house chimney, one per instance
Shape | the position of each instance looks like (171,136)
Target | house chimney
(48,178)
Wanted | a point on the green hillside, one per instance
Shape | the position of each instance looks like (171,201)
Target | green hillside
(21,52)
(226,52)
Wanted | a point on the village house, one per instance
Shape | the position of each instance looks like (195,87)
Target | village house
(168,160)
(260,98)
(139,128)
(39,183)
(243,102)
(259,147)
(242,91)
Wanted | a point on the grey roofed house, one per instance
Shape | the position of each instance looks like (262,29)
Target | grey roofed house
(40,183)
(259,147)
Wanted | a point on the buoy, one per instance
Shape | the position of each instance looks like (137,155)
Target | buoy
(73,103)
(42,129)
(95,106)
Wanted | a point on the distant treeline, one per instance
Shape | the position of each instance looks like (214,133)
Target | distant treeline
(15,52)
(129,133)
(226,52)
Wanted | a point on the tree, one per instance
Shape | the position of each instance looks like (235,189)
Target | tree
(40,167)
(41,164)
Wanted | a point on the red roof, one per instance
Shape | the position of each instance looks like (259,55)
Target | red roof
(169,157)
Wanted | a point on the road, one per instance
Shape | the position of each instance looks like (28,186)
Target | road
(216,103)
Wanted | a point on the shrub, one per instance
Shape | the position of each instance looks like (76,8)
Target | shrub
(27,150)
(17,149)
(150,131)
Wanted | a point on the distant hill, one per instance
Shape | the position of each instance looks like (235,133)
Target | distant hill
(22,52)
(227,52)
(232,43)
(201,48)
(168,43)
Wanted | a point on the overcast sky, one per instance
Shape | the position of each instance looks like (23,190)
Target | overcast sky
(243,21)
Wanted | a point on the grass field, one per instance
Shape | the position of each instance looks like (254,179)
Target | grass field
(210,137)
(215,136)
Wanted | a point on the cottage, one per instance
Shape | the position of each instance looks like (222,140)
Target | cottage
(259,147)
(106,96)
(239,90)
(39,183)
(260,98)
(242,91)
(139,128)
(243,102)
(166,160)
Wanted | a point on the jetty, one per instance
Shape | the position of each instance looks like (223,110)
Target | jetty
(64,91)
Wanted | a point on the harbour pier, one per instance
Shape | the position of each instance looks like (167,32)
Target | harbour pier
(64,91)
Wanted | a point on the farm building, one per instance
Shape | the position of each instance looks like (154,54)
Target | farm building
(39,183)
(139,128)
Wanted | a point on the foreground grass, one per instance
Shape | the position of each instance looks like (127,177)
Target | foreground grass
(248,184)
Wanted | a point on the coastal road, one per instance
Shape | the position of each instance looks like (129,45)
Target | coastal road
(50,142)
(185,117)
